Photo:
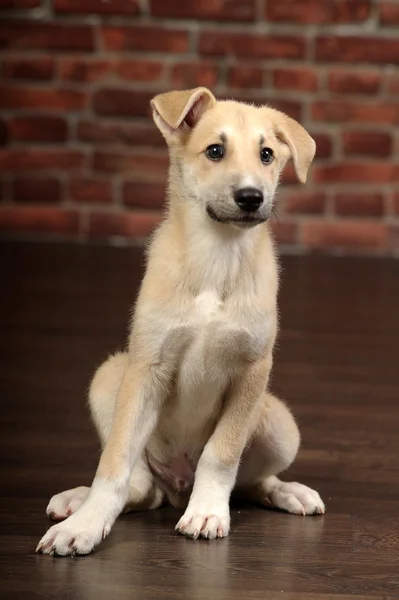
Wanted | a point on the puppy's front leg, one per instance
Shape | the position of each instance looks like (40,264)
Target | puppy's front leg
(136,412)
(207,514)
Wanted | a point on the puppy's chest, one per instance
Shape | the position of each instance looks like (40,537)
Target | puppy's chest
(221,336)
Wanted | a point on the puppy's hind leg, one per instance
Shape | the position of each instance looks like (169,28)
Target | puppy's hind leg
(143,493)
(63,505)
(272,448)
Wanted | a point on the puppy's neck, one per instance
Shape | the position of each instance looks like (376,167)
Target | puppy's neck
(214,256)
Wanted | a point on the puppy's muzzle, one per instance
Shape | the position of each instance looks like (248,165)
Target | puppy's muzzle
(248,199)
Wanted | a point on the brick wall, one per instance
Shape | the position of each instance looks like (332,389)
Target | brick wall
(80,158)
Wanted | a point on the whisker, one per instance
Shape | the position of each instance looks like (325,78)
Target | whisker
(275,212)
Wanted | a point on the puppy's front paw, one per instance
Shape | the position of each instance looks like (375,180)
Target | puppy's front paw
(72,537)
(207,522)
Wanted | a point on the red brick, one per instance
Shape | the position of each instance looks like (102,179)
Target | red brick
(41,69)
(83,70)
(356,172)
(359,205)
(118,102)
(100,7)
(90,191)
(396,203)
(215,10)
(114,133)
(353,49)
(343,234)
(147,38)
(351,82)
(194,74)
(14,159)
(148,167)
(323,144)
(89,71)
(244,45)
(284,232)
(289,176)
(389,13)
(393,83)
(32,189)
(394,237)
(140,69)
(362,112)
(36,35)
(318,11)
(305,80)
(304,202)
(290,107)
(38,129)
(38,219)
(127,224)
(367,143)
(245,76)
(19,4)
(143,195)
(13,97)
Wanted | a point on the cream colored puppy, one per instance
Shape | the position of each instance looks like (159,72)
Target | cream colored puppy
(183,415)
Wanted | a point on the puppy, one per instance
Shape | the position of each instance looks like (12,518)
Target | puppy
(183,415)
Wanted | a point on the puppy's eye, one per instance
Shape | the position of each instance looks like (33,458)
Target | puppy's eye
(215,152)
(266,155)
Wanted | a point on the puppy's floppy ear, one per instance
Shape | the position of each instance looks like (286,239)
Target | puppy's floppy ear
(175,112)
(302,146)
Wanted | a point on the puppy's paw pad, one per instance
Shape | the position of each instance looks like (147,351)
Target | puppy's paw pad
(297,499)
(63,505)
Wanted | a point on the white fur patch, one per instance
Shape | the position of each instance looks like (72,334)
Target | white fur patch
(248,181)
(295,498)
(82,531)
(63,505)
(207,304)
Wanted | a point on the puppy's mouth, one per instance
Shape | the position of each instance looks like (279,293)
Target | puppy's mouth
(244,220)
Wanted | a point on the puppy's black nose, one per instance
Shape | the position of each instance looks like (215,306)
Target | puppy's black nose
(248,199)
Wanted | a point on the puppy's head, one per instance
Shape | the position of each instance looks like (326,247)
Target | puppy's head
(227,156)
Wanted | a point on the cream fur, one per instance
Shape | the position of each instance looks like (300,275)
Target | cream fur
(192,382)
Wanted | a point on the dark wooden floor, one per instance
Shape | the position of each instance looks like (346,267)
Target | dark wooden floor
(63,308)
